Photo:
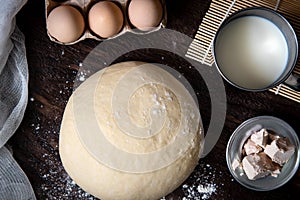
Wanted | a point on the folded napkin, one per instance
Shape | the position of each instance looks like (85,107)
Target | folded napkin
(13,100)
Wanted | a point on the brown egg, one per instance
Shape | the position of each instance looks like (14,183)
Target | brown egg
(65,23)
(105,19)
(145,14)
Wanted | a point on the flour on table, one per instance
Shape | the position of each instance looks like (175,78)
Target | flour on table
(58,185)
(82,75)
(204,183)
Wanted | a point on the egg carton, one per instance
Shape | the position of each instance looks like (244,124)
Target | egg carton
(85,5)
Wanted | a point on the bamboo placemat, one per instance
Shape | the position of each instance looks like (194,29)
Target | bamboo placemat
(201,47)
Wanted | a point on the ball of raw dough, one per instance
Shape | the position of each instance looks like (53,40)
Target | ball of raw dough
(131,131)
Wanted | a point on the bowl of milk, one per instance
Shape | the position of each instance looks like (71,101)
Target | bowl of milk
(255,49)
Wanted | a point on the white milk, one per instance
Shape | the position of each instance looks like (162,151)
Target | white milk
(251,52)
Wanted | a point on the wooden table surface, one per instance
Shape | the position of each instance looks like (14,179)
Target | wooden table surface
(52,70)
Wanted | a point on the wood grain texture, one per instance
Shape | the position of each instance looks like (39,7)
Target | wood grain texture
(52,70)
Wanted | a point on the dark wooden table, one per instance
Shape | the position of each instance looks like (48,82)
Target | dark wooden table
(52,70)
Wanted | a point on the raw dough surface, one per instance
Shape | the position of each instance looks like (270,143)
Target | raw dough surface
(131,131)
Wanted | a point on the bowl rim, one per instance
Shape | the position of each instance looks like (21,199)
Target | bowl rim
(233,136)
(233,17)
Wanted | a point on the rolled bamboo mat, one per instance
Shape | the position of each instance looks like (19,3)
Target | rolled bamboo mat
(201,47)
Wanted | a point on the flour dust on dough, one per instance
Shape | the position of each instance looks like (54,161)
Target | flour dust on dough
(131,131)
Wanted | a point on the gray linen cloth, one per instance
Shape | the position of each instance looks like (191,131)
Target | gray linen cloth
(13,100)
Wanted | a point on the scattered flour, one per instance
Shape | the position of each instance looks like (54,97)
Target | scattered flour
(207,189)
(58,185)
(203,185)
(81,78)
(82,75)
